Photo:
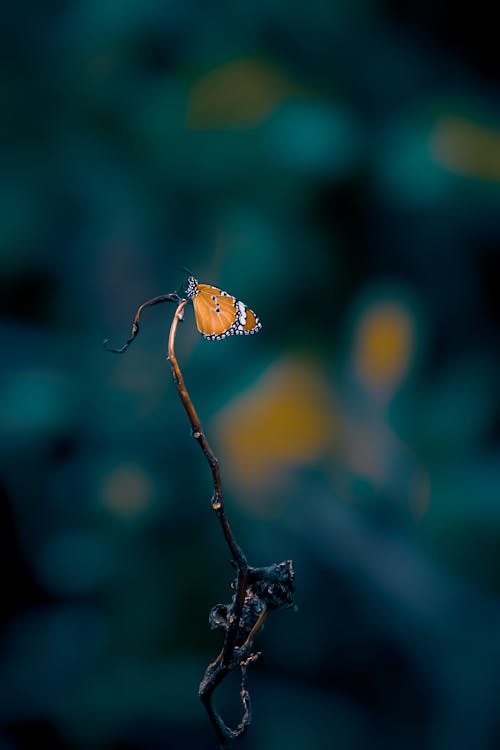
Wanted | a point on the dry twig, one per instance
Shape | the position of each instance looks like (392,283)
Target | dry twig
(257,591)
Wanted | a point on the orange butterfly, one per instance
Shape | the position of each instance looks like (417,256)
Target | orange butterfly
(218,314)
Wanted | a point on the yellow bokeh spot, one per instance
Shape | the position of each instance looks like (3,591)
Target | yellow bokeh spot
(127,491)
(384,345)
(237,95)
(466,148)
(286,420)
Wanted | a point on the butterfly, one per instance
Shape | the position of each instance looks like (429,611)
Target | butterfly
(219,314)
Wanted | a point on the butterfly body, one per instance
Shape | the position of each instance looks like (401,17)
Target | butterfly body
(219,314)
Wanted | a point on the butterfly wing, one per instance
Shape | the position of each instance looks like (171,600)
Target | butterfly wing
(246,320)
(219,314)
(215,312)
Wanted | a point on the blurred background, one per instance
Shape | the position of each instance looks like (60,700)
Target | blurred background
(336,165)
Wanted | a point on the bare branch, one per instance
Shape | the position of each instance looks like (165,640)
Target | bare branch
(172,297)
(257,591)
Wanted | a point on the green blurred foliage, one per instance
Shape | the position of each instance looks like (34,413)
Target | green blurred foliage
(337,166)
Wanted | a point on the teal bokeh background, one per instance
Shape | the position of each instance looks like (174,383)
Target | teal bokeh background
(337,166)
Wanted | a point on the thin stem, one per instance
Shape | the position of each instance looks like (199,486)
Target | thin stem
(172,297)
(199,435)
(258,590)
(220,667)
(258,624)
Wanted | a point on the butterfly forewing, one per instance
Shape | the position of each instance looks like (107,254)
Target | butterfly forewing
(214,312)
(219,314)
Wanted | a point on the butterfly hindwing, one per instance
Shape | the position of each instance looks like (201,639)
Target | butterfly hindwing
(219,314)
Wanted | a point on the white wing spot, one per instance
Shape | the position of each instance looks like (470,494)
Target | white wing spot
(242,313)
